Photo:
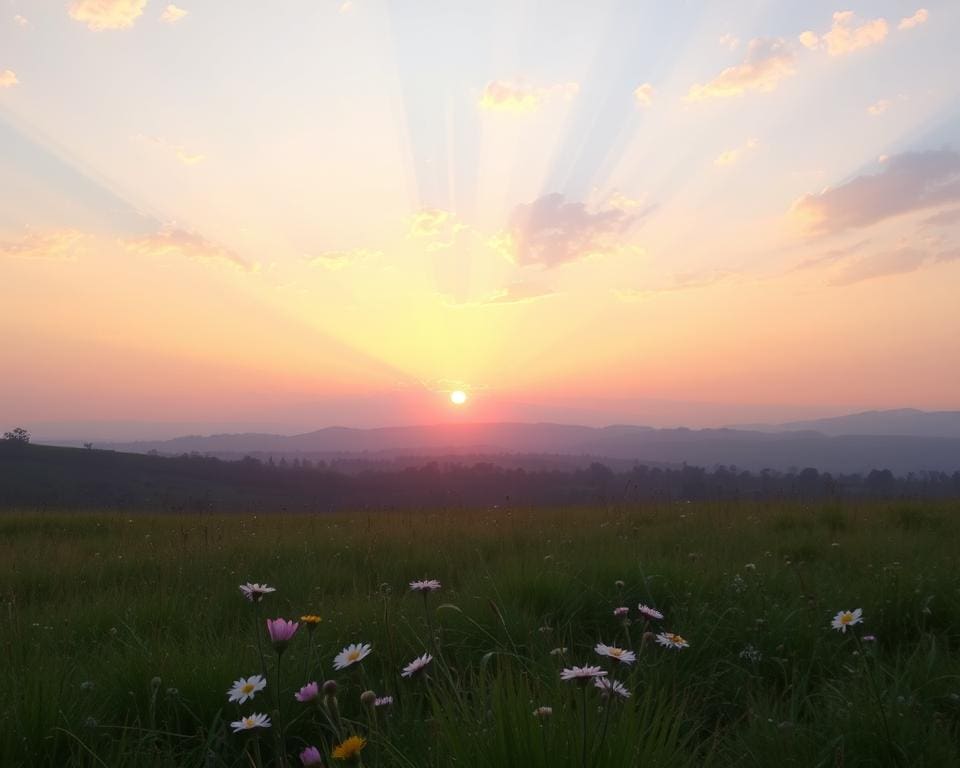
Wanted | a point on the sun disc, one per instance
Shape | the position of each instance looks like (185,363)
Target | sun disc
(458,397)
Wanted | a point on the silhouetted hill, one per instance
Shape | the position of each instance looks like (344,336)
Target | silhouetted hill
(905,421)
(754,450)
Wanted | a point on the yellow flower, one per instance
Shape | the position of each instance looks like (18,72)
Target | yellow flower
(350,749)
(311,620)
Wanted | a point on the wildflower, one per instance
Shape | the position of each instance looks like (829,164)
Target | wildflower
(308,693)
(281,631)
(428,585)
(846,619)
(621,611)
(608,687)
(869,638)
(559,651)
(542,712)
(619,584)
(351,655)
(330,688)
(611,651)
(650,613)
(250,722)
(368,699)
(310,621)
(750,567)
(255,592)
(417,665)
(246,688)
(749,653)
(349,749)
(311,756)
(582,674)
(383,701)
(670,640)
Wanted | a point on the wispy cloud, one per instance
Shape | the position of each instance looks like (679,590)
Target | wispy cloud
(908,182)
(57,245)
(893,262)
(879,107)
(681,281)
(916,20)
(643,94)
(945,218)
(847,34)
(732,156)
(335,260)
(550,231)
(768,61)
(107,14)
(8,78)
(507,96)
(21,21)
(172,14)
(182,154)
(186,244)
(831,256)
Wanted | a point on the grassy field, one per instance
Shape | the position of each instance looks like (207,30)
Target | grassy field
(122,634)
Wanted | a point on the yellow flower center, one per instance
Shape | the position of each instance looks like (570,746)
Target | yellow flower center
(846,618)
(247,688)
(616,652)
(353,655)
(248,722)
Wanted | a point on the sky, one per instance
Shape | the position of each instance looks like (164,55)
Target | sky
(222,215)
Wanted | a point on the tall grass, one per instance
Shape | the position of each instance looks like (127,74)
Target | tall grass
(121,634)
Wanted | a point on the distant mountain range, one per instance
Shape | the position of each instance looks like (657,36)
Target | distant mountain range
(905,421)
(902,441)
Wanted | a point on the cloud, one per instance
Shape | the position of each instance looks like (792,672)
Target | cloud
(186,244)
(681,281)
(180,152)
(730,41)
(893,262)
(8,78)
(643,94)
(908,182)
(172,14)
(335,260)
(107,14)
(831,256)
(914,21)
(550,231)
(879,107)
(504,96)
(846,34)
(438,227)
(945,218)
(346,7)
(21,21)
(768,61)
(58,245)
(731,156)
(519,293)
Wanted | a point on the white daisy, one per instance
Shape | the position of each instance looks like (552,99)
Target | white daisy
(351,655)
(255,592)
(246,688)
(608,687)
(670,640)
(621,611)
(559,651)
(543,712)
(383,701)
(427,585)
(582,674)
(417,665)
(846,619)
(650,613)
(250,722)
(611,651)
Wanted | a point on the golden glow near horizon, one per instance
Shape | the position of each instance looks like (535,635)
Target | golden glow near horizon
(337,212)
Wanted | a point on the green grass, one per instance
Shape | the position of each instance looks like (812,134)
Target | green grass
(121,634)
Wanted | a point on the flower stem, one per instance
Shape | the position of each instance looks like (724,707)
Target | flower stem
(583,760)
(894,749)
(263,659)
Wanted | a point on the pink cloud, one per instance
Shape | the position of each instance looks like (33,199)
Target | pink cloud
(505,96)
(180,242)
(57,245)
(107,14)
(847,34)
(768,61)
(8,78)
(916,20)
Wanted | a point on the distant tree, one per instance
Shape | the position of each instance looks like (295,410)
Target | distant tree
(17,435)
(88,446)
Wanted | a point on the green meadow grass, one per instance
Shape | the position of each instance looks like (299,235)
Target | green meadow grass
(121,635)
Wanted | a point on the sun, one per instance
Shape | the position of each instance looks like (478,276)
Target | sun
(458,397)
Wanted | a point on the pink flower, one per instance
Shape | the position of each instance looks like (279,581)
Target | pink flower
(650,613)
(281,631)
(621,611)
(308,693)
(311,756)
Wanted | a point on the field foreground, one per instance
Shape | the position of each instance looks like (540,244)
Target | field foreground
(122,634)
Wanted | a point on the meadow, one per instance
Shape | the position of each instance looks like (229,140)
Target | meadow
(122,634)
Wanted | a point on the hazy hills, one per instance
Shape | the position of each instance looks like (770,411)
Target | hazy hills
(902,441)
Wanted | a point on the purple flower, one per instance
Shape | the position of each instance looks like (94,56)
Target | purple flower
(308,693)
(311,756)
(281,631)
